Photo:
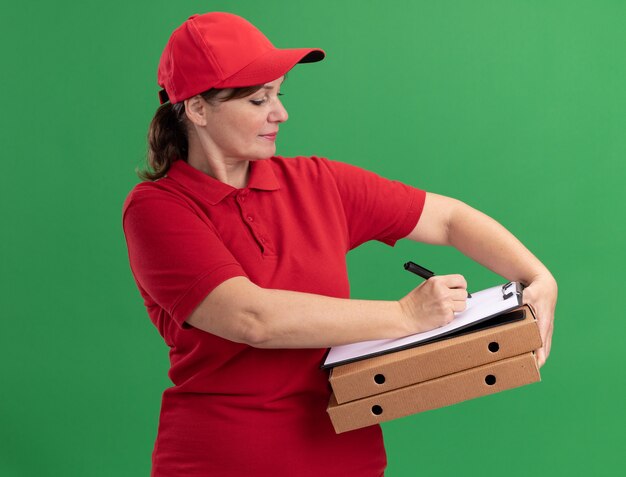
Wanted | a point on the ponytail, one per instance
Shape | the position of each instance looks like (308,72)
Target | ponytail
(167,141)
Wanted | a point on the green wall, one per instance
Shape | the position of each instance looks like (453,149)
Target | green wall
(516,107)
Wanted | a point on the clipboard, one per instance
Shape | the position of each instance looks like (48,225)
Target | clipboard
(486,308)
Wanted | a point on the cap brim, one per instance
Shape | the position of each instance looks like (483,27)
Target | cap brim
(313,56)
(270,66)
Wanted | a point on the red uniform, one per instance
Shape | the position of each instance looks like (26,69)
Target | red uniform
(234,409)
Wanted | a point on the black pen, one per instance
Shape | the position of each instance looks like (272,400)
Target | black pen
(425,273)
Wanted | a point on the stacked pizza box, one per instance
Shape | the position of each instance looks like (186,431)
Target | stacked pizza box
(441,373)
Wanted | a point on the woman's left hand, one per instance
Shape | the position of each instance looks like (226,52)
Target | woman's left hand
(447,221)
(541,295)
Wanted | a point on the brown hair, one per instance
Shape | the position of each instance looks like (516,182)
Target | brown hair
(167,135)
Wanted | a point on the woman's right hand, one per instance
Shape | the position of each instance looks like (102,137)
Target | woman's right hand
(434,302)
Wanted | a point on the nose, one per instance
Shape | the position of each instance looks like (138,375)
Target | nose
(278,114)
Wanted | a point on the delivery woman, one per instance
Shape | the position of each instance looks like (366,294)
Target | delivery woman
(239,255)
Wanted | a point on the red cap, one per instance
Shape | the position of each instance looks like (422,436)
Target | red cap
(222,50)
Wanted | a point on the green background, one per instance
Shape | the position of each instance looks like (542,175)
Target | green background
(516,107)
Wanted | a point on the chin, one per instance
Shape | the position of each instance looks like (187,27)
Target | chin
(266,153)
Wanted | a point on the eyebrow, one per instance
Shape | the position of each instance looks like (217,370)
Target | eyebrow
(267,86)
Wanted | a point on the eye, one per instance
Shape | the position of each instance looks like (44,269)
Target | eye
(259,102)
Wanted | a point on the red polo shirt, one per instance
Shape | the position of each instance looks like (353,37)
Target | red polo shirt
(234,409)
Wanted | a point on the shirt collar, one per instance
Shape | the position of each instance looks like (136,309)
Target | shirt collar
(262,177)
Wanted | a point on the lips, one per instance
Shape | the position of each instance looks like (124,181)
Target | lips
(270,136)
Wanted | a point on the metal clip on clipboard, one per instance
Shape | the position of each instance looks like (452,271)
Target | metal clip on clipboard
(510,289)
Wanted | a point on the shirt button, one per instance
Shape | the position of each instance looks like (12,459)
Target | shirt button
(262,240)
(250,219)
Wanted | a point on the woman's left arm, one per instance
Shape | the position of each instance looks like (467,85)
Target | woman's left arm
(447,221)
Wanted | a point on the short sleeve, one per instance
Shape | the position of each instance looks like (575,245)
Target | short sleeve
(376,208)
(176,257)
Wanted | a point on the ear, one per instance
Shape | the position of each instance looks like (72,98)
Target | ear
(196,110)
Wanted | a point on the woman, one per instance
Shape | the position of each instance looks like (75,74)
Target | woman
(240,257)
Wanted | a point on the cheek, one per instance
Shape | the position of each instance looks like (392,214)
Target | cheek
(230,131)
(253,124)
(240,127)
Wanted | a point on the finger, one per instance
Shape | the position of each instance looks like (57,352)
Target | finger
(544,351)
(548,345)
(449,317)
(459,305)
(531,306)
(541,357)
(458,294)
(545,327)
(454,281)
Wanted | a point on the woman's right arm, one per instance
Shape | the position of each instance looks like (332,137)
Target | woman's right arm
(182,265)
(240,311)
